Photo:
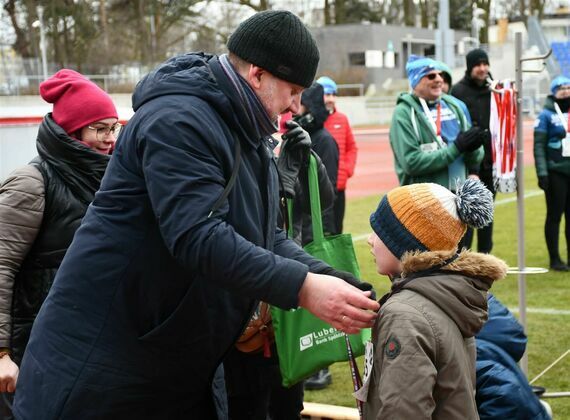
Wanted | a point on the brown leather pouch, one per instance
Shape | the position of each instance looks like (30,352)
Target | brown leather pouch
(258,335)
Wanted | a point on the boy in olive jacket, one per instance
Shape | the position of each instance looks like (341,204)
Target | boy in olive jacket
(423,364)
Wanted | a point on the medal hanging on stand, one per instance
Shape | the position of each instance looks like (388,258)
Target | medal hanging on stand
(502,126)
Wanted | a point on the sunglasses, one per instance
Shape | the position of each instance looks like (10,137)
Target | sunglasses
(432,76)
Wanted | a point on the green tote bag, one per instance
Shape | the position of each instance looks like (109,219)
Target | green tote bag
(305,344)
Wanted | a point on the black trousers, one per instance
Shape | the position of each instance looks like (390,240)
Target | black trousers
(254,389)
(485,235)
(338,209)
(557,204)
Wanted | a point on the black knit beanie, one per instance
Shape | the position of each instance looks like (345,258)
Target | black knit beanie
(475,57)
(277,41)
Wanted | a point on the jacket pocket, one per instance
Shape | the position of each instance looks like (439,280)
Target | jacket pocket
(171,330)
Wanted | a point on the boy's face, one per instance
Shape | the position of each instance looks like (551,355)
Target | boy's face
(386,262)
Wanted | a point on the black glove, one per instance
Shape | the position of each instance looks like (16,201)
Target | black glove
(543,182)
(470,140)
(294,151)
(350,279)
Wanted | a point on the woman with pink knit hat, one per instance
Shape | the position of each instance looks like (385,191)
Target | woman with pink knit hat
(42,204)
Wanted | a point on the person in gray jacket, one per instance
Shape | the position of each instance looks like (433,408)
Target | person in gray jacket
(42,204)
(423,363)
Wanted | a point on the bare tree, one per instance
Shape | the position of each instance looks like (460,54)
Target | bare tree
(258,6)
(409,13)
(22,14)
(327,12)
(486,6)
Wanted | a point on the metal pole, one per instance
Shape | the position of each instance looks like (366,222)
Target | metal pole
(520,193)
(40,10)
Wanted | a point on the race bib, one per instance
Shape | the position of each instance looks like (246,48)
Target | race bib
(566,146)
(362,393)
(428,147)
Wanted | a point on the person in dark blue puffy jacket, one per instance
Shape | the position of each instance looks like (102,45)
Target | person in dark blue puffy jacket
(503,391)
(552,163)
(158,283)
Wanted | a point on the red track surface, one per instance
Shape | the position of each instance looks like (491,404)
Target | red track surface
(374,173)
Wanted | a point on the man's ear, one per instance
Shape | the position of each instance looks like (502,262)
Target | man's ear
(254,76)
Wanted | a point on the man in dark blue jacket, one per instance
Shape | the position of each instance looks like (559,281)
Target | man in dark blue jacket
(154,289)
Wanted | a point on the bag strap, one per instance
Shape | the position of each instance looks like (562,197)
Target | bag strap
(289,218)
(315,200)
(232,180)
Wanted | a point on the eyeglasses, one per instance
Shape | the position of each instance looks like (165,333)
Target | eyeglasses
(432,76)
(103,132)
(564,88)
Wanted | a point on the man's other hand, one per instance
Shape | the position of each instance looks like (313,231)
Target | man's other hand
(8,374)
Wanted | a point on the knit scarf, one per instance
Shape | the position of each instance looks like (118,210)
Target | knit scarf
(255,111)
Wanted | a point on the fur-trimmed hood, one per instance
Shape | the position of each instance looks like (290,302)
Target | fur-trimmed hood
(459,288)
(472,264)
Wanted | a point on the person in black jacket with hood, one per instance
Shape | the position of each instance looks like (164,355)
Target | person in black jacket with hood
(473,90)
(160,279)
(312,116)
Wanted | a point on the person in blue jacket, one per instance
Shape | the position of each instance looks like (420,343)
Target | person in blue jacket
(159,281)
(552,162)
(503,391)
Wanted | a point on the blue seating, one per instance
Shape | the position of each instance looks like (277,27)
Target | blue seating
(561,51)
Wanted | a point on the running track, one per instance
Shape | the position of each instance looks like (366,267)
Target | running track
(374,173)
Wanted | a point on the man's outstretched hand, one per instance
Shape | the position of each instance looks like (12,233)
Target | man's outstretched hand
(336,302)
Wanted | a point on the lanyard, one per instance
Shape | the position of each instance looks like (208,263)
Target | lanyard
(356,378)
(561,116)
(435,125)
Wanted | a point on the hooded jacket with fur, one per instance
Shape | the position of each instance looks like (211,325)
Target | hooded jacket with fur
(424,346)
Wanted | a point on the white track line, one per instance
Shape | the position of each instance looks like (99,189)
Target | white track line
(543,311)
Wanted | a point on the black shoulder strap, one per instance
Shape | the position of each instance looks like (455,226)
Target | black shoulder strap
(232,180)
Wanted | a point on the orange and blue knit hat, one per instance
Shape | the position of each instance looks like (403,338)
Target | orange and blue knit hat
(429,217)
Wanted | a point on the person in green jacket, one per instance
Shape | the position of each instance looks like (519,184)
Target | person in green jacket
(430,135)
(552,161)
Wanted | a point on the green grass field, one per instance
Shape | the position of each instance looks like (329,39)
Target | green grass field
(549,334)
